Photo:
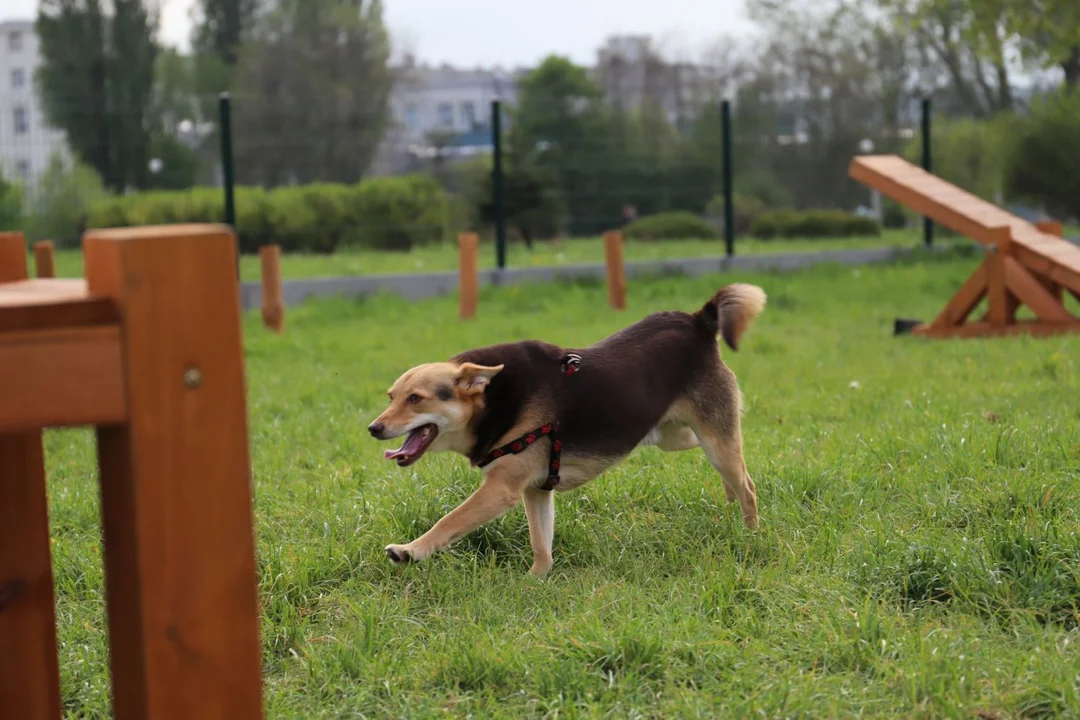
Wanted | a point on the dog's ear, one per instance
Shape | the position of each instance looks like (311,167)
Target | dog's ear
(473,378)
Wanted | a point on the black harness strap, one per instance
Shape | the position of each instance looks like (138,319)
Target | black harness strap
(570,365)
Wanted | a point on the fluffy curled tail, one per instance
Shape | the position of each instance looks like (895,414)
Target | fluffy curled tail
(731,311)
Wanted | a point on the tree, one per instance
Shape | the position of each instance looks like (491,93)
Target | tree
(96,81)
(1049,32)
(222,27)
(312,92)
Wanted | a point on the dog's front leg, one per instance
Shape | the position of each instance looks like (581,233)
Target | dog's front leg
(540,511)
(498,493)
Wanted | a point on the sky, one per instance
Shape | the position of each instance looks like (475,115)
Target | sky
(512,33)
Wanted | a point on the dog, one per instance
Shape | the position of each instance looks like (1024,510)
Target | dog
(539,418)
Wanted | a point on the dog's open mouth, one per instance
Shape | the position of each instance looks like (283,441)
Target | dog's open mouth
(416,444)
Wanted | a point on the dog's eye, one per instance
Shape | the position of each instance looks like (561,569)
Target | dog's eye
(414,398)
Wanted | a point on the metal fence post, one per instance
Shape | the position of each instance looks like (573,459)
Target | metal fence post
(928,224)
(227,168)
(497,184)
(729,185)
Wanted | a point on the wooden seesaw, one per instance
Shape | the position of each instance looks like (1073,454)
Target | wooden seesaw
(148,351)
(1026,264)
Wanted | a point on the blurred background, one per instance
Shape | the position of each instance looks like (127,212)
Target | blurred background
(359,124)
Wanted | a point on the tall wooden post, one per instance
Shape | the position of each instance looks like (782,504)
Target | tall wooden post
(616,269)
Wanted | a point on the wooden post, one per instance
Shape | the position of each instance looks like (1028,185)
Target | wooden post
(43,259)
(616,270)
(30,679)
(179,550)
(273,304)
(998,294)
(469,274)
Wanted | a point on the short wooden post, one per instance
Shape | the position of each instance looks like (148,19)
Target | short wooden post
(1002,311)
(176,497)
(273,304)
(469,273)
(30,678)
(43,259)
(616,269)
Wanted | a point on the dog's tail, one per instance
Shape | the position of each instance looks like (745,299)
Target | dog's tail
(731,311)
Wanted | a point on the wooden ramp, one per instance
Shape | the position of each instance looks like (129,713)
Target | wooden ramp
(1025,264)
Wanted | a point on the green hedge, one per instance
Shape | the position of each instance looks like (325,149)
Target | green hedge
(787,223)
(394,213)
(746,210)
(669,226)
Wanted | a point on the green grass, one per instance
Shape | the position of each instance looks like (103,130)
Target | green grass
(918,556)
(442,258)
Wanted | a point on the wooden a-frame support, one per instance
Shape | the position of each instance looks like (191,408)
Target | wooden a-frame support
(1007,284)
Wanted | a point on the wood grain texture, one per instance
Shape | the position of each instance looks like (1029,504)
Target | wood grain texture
(29,668)
(176,482)
(59,378)
(43,304)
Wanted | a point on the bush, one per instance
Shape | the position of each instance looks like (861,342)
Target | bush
(58,206)
(787,223)
(1042,166)
(747,208)
(11,205)
(670,226)
(893,215)
(383,213)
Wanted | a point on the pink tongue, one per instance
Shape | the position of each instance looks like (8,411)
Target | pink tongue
(412,444)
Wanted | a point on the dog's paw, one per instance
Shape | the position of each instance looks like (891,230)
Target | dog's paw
(399,554)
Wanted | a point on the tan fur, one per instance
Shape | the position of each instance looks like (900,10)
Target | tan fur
(739,305)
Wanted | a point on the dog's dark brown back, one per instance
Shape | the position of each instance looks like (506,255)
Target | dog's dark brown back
(626,382)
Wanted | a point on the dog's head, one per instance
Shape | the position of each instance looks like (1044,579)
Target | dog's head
(433,405)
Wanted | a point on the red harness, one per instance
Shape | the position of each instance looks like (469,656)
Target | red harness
(570,365)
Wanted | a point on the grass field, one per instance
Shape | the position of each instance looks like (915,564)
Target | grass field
(442,258)
(918,556)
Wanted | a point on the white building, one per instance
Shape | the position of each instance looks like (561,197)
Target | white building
(442,110)
(27,143)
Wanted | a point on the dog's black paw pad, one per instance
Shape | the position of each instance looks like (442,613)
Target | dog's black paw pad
(398,556)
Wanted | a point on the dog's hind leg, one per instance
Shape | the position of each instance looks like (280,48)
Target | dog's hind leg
(716,419)
(540,511)
(726,456)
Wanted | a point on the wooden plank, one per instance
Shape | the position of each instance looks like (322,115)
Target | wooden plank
(56,378)
(965,300)
(43,304)
(30,679)
(982,329)
(182,600)
(468,275)
(30,674)
(12,257)
(1033,294)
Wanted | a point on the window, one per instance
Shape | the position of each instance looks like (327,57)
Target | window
(412,117)
(18,79)
(14,40)
(468,115)
(446,115)
(23,169)
(22,122)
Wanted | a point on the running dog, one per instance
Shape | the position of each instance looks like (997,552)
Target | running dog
(538,418)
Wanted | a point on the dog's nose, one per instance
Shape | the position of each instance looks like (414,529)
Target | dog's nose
(376,429)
